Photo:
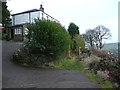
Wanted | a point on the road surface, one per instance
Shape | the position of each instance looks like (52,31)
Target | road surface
(15,76)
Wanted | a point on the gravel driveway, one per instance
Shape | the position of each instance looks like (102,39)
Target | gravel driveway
(15,76)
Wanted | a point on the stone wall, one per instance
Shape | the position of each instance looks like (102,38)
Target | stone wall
(1,31)
(18,38)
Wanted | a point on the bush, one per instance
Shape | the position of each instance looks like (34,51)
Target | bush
(79,41)
(25,58)
(73,45)
(114,72)
(115,76)
(85,50)
(106,64)
(4,36)
(48,39)
(102,65)
(101,53)
(94,66)
(110,64)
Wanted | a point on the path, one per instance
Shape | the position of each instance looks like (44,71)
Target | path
(15,76)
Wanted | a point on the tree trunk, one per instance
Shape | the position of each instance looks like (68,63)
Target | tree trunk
(100,42)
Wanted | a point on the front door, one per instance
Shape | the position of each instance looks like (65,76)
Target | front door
(12,33)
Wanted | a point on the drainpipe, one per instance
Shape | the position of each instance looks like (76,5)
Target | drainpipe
(22,33)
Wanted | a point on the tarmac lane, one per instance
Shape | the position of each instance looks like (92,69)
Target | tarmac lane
(15,76)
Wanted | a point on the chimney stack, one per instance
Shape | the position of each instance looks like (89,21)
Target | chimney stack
(41,8)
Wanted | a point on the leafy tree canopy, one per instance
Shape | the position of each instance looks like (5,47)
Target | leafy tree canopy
(5,15)
(73,30)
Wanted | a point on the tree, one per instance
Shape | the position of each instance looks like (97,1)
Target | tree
(73,30)
(80,43)
(96,36)
(89,37)
(5,15)
(101,33)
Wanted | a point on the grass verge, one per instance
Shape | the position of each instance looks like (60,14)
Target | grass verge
(93,77)
(69,64)
(77,64)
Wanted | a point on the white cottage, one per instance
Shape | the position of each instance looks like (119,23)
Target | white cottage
(18,30)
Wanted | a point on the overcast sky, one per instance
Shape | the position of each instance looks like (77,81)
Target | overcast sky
(84,13)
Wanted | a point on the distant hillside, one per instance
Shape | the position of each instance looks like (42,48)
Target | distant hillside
(113,47)
(110,46)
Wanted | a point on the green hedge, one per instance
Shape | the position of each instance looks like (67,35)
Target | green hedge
(46,39)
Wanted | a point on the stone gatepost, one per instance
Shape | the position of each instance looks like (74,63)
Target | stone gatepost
(1,28)
(79,51)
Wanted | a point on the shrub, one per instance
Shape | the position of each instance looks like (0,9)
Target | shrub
(73,45)
(4,36)
(102,65)
(79,41)
(94,66)
(114,72)
(24,57)
(110,64)
(115,76)
(101,53)
(85,50)
(47,38)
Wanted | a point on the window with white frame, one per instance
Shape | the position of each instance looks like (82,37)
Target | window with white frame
(18,31)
